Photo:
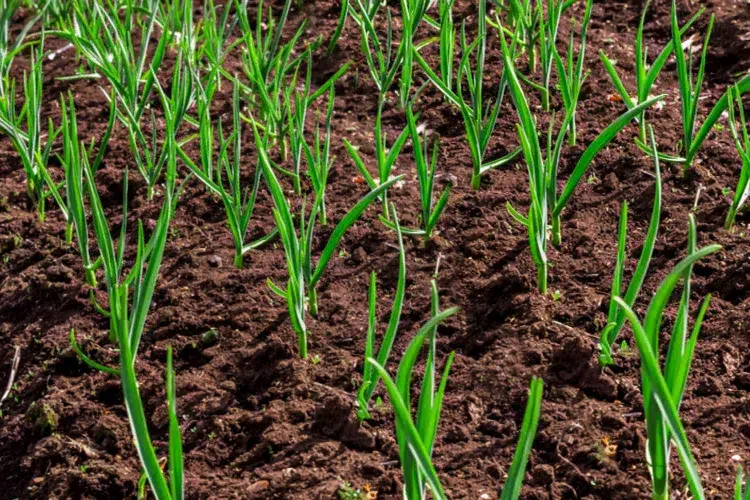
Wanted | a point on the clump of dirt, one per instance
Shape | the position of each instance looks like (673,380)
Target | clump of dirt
(260,423)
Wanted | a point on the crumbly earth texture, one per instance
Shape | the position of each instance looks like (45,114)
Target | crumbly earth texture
(258,422)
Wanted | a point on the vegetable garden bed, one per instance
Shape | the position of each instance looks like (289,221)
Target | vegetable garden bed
(257,420)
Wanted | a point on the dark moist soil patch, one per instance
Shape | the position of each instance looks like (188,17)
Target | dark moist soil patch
(260,423)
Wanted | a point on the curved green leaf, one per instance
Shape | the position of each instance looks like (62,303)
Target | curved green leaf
(601,141)
(341,228)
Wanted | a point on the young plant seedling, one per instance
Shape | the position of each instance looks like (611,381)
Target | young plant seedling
(11,44)
(527,23)
(616,316)
(75,162)
(300,292)
(571,74)
(127,320)
(663,388)
(212,39)
(689,89)
(743,87)
(645,73)
(479,117)
(265,65)
(548,29)
(386,157)
(238,200)
(370,377)
(512,487)
(447,42)
(742,141)
(31,145)
(543,168)
(416,437)
(297,106)
(206,131)
(382,64)
(105,36)
(412,13)
(296,110)
(319,159)
(426,167)
(343,15)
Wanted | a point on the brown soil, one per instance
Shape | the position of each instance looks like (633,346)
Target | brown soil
(260,423)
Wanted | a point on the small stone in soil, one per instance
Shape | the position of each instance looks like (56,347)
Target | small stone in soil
(359,255)
(612,421)
(611,182)
(457,434)
(258,486)
(709,386)
(372,469)
(543,475)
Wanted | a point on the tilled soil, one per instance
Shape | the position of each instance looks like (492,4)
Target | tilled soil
(258,422)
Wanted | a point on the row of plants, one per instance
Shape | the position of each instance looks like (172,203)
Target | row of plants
(122,46)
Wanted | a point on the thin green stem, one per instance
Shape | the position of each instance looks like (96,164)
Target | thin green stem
(729,222)
(322,216)
(90,275)
(642,127)
(532,59)
(476,180)
(545,99)
(541,280)
(313,301)
(302,344)
(572,131)
(40,210)
(556,233)
(386,213)
(660,495)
